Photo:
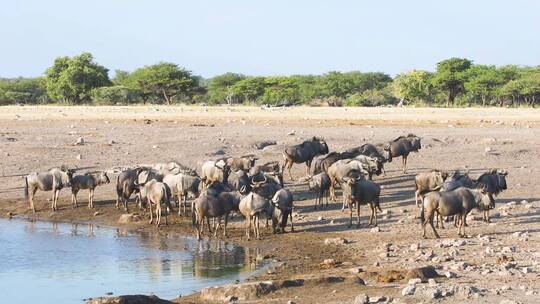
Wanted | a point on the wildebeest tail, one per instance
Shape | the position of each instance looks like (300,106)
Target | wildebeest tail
(378,204)
(26,188)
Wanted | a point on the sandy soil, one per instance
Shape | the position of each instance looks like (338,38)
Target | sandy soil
(38,138)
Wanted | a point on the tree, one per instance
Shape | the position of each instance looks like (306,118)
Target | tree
(450,77)
(72,79)
(482,82)
(162,81)
(280,91)
(22,90)
(249,89)
(220,88)
(414,85)
(120,77)
(113,95)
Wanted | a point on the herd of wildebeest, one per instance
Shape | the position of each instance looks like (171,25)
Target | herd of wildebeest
(238,184)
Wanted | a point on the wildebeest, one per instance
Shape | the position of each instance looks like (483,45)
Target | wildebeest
(252,206)
(371,165)
(304,153)
(495,182)
(88,181)
(169,168)
(341,169)
(283,207)
(244,163)
(125,187)
(183,185)
(240,181)
(320,183)
(333,157)
(361,192)
(268,167)
(215,171)
(428,181)
(457,179)
(456,202)
(53,180)
(403,146)
(155,193)
(208,205)
(267,187)
(373,151)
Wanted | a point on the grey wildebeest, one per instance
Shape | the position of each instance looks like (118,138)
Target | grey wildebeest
(457,202)
(283,206)
(372,151)
(320,183)
(88,181)
(53,180)
(304,153)
(428,181)
(215,171)
(361,192)
(495,182)
(403,146)
(208,205)
(252,206)
(155,193)
(371,165)
(340,169)
(182,186)
(240,181)
(269,167)
(244,163)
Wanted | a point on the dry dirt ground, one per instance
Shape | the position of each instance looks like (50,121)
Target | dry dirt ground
(497,262)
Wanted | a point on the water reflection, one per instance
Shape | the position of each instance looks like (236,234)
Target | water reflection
(74,261)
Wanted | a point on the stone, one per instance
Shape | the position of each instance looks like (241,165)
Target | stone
(320,218)
(141,299)
(377,299)
(375,229)
(459,243)
(508,302)
(80,141)
(292,133)
(242,292)
(409,290)
(129,218)
(97,213)
(361,299)
(329,262)
(466,291)
(508,249)
(414,281)
(432,282)
(79,156)
(415,247)
(335,241)
(450,274)
(432,293)
(526,270)
(356,270)
(424,273)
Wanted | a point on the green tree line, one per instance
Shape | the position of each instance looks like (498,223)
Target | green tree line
(455,82)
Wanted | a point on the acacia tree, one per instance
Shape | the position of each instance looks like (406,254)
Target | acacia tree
(72,79)
(220,88)
(414,85)
(450,77)
(162,81)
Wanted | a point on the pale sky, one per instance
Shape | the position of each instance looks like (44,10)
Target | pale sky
(268,37)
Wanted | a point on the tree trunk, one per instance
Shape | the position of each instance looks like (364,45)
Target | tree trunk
(167,98)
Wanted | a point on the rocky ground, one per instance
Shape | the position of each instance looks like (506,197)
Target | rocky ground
(323,261)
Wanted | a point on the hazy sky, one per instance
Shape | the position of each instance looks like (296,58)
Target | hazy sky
(268,37)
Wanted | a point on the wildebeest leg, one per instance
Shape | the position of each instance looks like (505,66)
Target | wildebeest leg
(216,228)
(373,215)
(91,201)
(185,203)
(158,213)
(225,225)
(288,165)
(248,226)
(57,193)
(308,164)
(326,195)
(357,215)
(73,198)
(416,194)
(31,194)
(429,218)
(404,163)
(151,214)
(257,226)
(208,223)
(350,212)
(292,225)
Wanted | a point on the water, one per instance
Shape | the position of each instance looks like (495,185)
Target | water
(42,262)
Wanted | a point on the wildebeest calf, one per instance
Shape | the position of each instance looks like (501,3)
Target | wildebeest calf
(283,207)
(320,183)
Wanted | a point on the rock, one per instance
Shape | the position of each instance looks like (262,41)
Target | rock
(80,141)
(415,247)
(361,299)
(79,156)
(414,281)
(526,270)
(242,292)
(320,218)
(155,146)
(290,302)
(328,263)
(508,249)
(356,270)
(139,299)
(450,274)
(459,243)
(335,241)
(432,282)
(375,229)
(408,290)
(97,213)
(112,142)
(377,299)
(508,302)
(265,143)
(292,133)
(231,299)
(466,291)
(424,273)
(129,218)
(459,266)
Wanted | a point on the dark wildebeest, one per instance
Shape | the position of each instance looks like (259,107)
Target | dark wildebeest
(125,187)
(53,180)
(155,193)
(403,146)
(371,165)
(283,207)
(215,171)
(240,181)
(320,183)
(428,181)
(267,187)
(456,179)
(269,167)
(244,163)
(333,157)
(304,153)
(456,202)
(341,169)
(495,182)
(361,192)
(88,181)
(252,206)
(212,206)
(183,185)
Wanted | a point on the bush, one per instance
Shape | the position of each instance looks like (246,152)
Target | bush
(371,98)
(114,95)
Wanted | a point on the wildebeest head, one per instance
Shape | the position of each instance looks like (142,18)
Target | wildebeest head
(224,167)
(322,147)
(104,178)
(501,179)
(482,197)
(415,141)
(67,177)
